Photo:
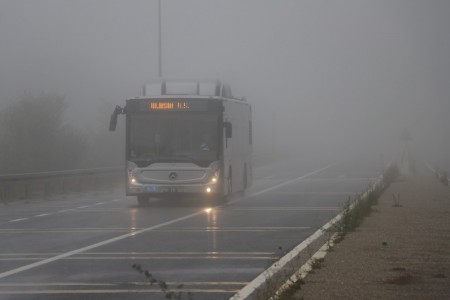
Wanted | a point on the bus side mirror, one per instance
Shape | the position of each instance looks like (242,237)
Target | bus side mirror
(113,121)
(228,130)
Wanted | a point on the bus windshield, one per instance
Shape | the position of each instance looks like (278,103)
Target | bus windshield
(177,137)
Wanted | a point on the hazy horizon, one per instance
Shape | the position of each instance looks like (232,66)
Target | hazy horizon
(330,79)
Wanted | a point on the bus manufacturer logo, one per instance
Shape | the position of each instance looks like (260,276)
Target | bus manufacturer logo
(173,176)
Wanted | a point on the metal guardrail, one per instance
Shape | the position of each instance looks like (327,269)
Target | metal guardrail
(68,173)
(45,184)
(27,185)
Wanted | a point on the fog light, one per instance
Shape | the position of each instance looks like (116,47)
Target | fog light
(208,190)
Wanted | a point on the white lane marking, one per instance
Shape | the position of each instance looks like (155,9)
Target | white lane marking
(280,184)
(62,284)
(112,291)
(284,208)
(139,253)
(93,246)
(340,179)
(43,215)
(121,237)
(17,220)
(130,257)
(313,193)
(262,279)
(60,211)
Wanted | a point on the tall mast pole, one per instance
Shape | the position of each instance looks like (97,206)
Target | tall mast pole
(159,41)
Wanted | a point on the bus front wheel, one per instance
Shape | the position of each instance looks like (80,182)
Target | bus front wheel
(142,200)
(228,188)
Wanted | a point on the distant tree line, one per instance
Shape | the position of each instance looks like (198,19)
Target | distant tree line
(35,138)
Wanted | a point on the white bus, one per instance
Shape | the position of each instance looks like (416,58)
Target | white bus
(186,139)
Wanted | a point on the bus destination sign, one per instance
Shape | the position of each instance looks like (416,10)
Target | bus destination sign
(172,105)
(176,105)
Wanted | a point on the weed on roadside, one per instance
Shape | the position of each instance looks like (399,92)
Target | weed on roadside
(169,293)
(352,213)
(396,200)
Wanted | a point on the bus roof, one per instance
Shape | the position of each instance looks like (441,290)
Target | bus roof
(204,88)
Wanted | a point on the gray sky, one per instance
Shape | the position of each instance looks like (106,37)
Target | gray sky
(323,76)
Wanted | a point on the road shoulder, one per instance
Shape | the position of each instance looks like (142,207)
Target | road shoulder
(400,251)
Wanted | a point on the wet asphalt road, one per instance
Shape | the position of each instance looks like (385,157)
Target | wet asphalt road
(84,246)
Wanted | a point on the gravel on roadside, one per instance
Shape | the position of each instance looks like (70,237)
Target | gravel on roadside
(400,251)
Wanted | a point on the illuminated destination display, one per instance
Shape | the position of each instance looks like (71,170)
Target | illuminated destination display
(174,105)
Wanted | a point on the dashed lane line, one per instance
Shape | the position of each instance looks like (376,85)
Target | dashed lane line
(17,220)
(131,234)
(44,215)
(114,291)
(293,208)
(96,245)
(281,184)
(58,212)
(172,229)
(249,256)
(84,206)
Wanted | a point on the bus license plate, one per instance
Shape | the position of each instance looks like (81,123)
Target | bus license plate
(151,188)
(171,189)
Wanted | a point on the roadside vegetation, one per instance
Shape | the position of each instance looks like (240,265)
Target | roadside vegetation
(355,210)
(352,214)
(36,135)
(169,292)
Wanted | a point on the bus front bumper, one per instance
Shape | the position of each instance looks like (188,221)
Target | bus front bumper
(161,189)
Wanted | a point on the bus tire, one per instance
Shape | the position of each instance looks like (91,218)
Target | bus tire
(229,182)
(245,177)
(229,188)
(142,200)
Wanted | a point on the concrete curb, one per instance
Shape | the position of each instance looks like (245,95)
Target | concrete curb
(276,273)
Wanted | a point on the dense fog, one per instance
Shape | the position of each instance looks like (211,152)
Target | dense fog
(327,80)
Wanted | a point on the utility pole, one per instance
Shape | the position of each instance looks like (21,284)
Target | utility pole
(159,41)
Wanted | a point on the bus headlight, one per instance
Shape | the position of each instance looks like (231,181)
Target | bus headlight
(132,179)
(215,178)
